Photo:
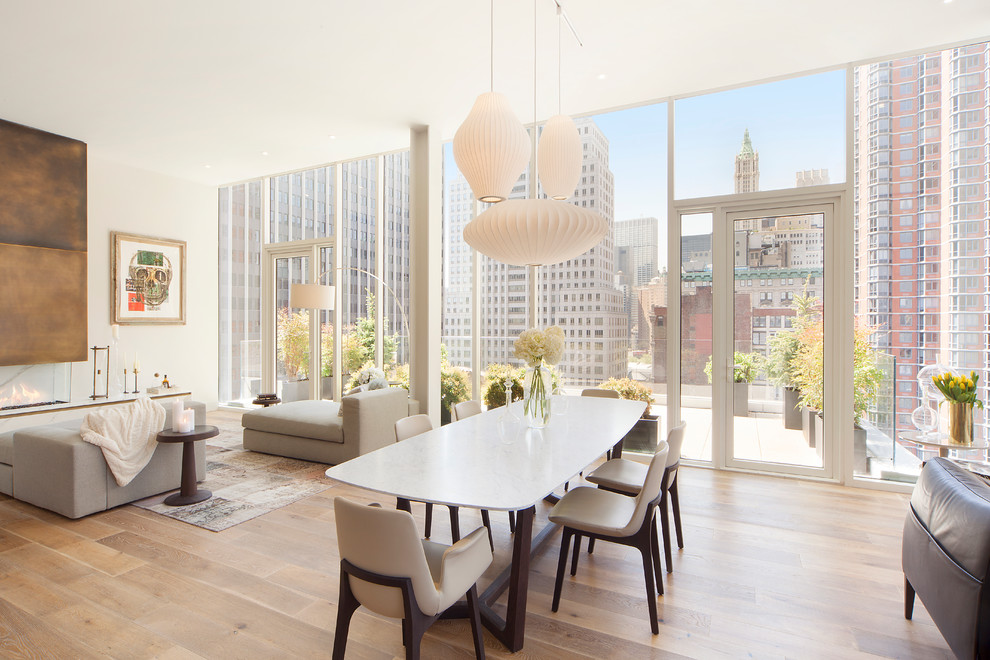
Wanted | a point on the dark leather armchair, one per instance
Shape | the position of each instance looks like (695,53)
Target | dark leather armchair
(945,554)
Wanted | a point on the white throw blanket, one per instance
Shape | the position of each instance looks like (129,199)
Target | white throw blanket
(127,435)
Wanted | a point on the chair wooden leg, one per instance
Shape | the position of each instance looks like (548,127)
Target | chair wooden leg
(665,527)
(565,543)
(675,504)
(655,553)
(908,599)
(577,551)
(455,524)
(429,518)
(486,520)
(591,545)
(651,599)
(474,612)
(512,522)
(347,604)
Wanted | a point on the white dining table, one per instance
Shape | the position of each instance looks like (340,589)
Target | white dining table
(494,461)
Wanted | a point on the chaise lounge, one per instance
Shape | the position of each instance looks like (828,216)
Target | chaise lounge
(314,431)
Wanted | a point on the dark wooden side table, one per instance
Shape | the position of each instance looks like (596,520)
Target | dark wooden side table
(188,493)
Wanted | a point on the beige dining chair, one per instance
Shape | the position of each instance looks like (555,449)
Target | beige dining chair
(386,567)
(620,475)
(602,514)
(465,409)
(413,425)
(599,392)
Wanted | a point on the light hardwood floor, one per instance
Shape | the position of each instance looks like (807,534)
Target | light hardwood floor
(772,568)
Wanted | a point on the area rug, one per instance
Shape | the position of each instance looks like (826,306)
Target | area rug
(245,485)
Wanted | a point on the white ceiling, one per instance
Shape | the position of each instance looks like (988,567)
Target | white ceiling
(178,85)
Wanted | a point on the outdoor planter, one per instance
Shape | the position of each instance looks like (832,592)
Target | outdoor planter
(740,399)
(808,416)
(644,436)
(792,408)
(295,390)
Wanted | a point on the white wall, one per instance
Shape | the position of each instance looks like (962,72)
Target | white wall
(122,198)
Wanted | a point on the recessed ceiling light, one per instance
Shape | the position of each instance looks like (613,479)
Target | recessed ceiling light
(207,166)
(264,153)
(333,137)
(946,1)
(601,76)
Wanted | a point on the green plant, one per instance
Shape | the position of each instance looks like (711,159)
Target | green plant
(746,367)
(784,345)
(326,351)
(292,342)
(494,384)
(809,368)
(630,389)
(455,386)
(958,389)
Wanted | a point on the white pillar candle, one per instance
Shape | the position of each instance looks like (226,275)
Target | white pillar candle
(176,414)
(188,421)
(115,330)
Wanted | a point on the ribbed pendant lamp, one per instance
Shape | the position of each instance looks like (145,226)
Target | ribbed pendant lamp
(559,155)
(491,147)
(529,232)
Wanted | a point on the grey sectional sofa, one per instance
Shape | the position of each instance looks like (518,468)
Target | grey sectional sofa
(53,468)
(313,431)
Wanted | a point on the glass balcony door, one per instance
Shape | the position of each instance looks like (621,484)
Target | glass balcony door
(771,365)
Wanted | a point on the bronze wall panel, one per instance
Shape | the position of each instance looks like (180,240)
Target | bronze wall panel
(42,188)
(43,305)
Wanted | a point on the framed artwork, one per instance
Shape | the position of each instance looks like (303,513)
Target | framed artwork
(148,276)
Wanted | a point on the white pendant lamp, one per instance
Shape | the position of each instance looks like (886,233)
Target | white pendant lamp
(491,148)
(559,157)
(529,232)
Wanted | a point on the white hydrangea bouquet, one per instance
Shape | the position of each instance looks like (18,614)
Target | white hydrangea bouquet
(369,374)
(540,349)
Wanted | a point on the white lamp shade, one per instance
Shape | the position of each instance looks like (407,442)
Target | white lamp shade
(528,232)
(559,157)
(311,296)
(491,148)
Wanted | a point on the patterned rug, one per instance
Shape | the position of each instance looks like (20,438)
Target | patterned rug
(245,485)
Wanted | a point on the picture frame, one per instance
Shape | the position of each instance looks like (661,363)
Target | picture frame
(148,278)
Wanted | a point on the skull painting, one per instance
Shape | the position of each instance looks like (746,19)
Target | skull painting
(150,273)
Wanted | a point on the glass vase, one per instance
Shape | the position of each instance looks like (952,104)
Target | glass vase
(960,422)
(536,396)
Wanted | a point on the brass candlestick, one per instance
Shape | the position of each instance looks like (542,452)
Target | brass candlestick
(136,391)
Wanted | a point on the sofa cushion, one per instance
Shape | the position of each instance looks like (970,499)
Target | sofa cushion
(7,448)
(307,419)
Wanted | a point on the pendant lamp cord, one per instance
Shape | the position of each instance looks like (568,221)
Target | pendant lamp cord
(491,47)
(559,90)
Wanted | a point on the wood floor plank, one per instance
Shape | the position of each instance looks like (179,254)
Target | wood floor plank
(771,568)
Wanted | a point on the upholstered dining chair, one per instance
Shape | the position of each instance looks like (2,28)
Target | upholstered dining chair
(465,409)
(601,394)
(602,514)
(620,475)
(386,567)
(408,427)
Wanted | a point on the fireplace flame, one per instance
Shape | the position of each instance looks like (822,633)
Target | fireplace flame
(20,395)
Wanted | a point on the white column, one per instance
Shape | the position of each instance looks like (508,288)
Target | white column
(339,277)
(379,257)
(425,279)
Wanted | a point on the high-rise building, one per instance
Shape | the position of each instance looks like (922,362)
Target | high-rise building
(747,178)
(921,214)
(458,207)
(811,178)
(636,245)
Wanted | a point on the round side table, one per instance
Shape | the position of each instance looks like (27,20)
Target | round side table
(188,493)
(266,402)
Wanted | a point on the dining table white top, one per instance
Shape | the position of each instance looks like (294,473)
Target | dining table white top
(493,460)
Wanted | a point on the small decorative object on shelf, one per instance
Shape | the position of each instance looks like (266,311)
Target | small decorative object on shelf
(101,375)
(960,394)
(137,369)
(541,349)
